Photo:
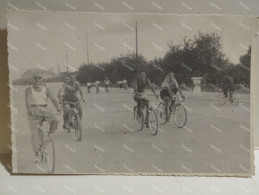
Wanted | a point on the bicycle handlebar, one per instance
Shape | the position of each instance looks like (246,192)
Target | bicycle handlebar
(178,97)
(46,115)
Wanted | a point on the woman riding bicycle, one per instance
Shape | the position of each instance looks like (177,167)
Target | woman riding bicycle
(169,89)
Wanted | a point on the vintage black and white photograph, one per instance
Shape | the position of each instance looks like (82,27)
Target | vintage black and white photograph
(133,94)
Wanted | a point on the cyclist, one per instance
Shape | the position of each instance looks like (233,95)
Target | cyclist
(169,89)
(228,87)
(125,84)
(140,95)
(89,85)
(70,95)
(97,85)
(106,84)
(36,100)
(60,91)
(61,95)
(121,84)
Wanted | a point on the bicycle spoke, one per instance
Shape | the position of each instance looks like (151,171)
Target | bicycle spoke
(180,116)
(153,123)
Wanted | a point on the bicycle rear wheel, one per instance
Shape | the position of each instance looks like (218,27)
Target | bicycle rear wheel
(235,99)
(161,113)
(221,98)
(48,154)
(180,115)
(139,120)
(78,128)
(153,121)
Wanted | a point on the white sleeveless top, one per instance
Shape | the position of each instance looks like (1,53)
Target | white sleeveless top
(39,98)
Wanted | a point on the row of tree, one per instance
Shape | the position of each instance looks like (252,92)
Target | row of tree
(201,56)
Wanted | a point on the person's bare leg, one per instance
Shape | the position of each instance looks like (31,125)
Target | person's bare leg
(166,101)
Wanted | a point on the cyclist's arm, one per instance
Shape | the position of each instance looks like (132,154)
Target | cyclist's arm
(80,91)
(178,88)
(52,99)
(151,86)
(28,99)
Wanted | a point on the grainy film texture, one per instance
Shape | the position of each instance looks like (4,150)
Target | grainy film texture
(130,93)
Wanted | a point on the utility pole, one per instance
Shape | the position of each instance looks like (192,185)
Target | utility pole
(66,60)
(137,47)
(87,49)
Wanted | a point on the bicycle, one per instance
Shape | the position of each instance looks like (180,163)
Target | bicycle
(74,120)
(140,118)
(177,109)
(222,99)
(47,148)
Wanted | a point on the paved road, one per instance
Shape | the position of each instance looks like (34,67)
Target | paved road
(216,138)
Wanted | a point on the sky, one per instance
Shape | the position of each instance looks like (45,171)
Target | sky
(42,39)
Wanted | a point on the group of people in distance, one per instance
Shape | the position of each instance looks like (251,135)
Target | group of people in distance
(37,95)
(123,84)
(97,85)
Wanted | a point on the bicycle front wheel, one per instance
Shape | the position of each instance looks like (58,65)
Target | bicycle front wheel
(138,118)
(161,113)
(180,115)
(78,128)
(48,154)
(221,98)
(153,121)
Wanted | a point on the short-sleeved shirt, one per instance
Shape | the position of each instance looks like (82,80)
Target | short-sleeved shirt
(172,84)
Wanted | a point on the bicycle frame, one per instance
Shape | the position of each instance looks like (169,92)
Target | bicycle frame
(46,139)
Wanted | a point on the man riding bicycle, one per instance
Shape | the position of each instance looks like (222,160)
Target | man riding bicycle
(61,94)
(169,89)
(125,84)
(107,84)
(140,95)
(228,87)
(36,99)
(70,95)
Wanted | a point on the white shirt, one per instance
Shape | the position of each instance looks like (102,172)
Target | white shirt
(171,84)
(38,97)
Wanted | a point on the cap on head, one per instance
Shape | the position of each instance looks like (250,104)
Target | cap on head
(37,76)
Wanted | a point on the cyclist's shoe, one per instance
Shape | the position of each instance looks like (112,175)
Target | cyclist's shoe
(147,124)
(168,119)
(37,158)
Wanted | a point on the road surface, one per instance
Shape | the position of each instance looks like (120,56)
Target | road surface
(216,139)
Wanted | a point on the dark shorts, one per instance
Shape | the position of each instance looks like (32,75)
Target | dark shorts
(164,93)
(71,98)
